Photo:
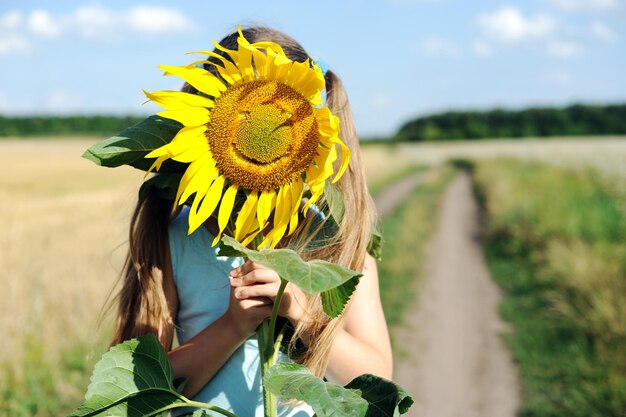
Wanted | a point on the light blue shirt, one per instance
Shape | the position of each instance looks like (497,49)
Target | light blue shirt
(201,279)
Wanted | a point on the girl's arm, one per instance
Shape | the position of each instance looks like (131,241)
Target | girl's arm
(203,355)
(362,346)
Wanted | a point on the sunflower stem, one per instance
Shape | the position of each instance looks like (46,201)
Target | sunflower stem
(268,350)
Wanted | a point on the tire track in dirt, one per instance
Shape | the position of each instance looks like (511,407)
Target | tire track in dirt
(450,357)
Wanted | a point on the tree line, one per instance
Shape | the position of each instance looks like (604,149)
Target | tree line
(574,120)
(65,125)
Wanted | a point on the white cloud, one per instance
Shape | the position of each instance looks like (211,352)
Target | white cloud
(11,20)
(41,23)
(94,22)
(564,49)
(438,46)
(601,32)
(587,5)
(98,22)
(156,20)
(13,43)
(508,24)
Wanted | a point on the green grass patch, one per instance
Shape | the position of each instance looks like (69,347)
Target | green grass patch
(406,234)
(556,244)
(48,385)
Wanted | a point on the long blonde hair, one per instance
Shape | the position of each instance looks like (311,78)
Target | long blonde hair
(142,306)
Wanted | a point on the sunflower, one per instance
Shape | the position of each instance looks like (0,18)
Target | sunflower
(258,131)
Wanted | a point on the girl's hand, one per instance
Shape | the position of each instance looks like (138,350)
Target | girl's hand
(251,281)
(245,315)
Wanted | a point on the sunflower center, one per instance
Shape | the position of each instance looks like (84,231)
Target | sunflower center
(264,135)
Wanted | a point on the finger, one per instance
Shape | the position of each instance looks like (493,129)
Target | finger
(262,275)
(262,290)
(243,269)
(255,302)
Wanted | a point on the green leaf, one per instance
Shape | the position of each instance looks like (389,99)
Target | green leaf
(385,398)
(312,277)
(335,299)
(291,381)
(165,184)
(375,245)
(134,143)
(133,378)
(335,283)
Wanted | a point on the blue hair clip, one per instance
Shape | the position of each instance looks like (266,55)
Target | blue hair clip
(323,66)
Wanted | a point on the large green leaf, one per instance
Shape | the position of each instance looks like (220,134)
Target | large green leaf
(291,381)
(335,299)
(132,379)
(385,398)
(134,143)
(165,184)
(365,396)
(335,282)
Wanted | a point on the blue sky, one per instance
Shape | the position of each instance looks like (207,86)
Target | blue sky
(397,58)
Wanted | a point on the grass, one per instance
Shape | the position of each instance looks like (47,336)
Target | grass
(556,244)
(406,234)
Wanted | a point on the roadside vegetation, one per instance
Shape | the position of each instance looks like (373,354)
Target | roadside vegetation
(556,244)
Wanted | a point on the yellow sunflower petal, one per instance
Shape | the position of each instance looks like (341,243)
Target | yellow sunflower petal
(157,164)
(161,151)
(208,205)
(245,58)
(267,202)
(328,123)
(202,180)
(233,54)
(226,209)
(194,174)
(175,100)
(250,238)
(247,216)
(273,237)
(304,79)
(194,220)
(297,189)
(345,160)
(200,78)
(267,45)
(187,137)
(191,116)
(228,71)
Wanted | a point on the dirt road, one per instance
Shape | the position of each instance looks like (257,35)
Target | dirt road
(450,356)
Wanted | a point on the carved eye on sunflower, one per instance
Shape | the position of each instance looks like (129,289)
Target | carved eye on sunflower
(259,126)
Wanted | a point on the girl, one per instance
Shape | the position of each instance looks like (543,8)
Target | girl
(175,283)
